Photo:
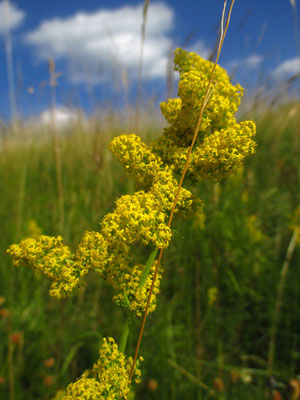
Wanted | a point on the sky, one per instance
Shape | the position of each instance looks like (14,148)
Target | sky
(95,45)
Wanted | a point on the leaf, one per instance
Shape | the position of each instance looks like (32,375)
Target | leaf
(70,357)
(147,268)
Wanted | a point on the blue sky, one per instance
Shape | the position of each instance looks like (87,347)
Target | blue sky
(96,45)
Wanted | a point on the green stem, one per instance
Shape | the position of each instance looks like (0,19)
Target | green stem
(282,279)
(144,276)
(124,336)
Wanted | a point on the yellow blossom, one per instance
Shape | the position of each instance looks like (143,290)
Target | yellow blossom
(222,143)
(107,379)
(132,295)
(142,217)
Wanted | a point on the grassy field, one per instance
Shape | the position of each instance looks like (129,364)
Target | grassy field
(211,334)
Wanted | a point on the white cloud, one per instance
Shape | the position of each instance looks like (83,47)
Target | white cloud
(250,63)
(253,61)
(62,116)
(106,39)
(287,68)
(201,48)
(10,16)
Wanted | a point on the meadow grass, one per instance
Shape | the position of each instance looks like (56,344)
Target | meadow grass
(227,315)
(210,334)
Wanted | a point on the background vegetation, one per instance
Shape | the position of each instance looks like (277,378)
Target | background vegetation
(210,335)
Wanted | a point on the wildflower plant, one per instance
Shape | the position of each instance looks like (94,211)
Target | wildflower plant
(107,379)
(144,216)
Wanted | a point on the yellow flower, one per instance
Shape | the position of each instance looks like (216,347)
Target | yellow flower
(222,143)
(107,379)
(51,257)
(142,217)
(132,295)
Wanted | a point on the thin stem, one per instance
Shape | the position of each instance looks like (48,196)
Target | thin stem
(222,37)
(191,377)
(10,65)
(56,142)
(283,274)
(10,362)
(140,73)
(22,191)
(296,28)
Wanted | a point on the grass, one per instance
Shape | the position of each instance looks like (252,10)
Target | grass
(210,335)
(226,324)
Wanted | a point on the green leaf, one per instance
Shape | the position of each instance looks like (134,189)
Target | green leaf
(148,266)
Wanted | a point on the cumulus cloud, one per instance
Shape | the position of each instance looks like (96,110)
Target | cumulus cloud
(250,63)
(201,48)
(287,68)
(253,61)
(10,16)
(94,43)
(63,116)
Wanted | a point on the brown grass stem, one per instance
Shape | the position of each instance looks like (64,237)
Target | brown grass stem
(282,279)
(140,71)
(22,191)
(10,362)
(57,149)
(206,95)
(119,70)
(296,28)
(170,73)
(10,66)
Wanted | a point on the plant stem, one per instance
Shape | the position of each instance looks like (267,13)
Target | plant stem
(144,276)
(10,362)
(56,142)
(205,99)
(140,73)
(10,64)
(282,278)
(191,377)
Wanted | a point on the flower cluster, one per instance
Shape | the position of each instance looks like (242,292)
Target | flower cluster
(139,217)
(149,172)
(138,159)
(143,217)
(222,143)
(108,378)
(134,295)
(51,257)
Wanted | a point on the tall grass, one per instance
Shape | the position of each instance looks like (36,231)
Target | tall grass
(226,325)
(220,282)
